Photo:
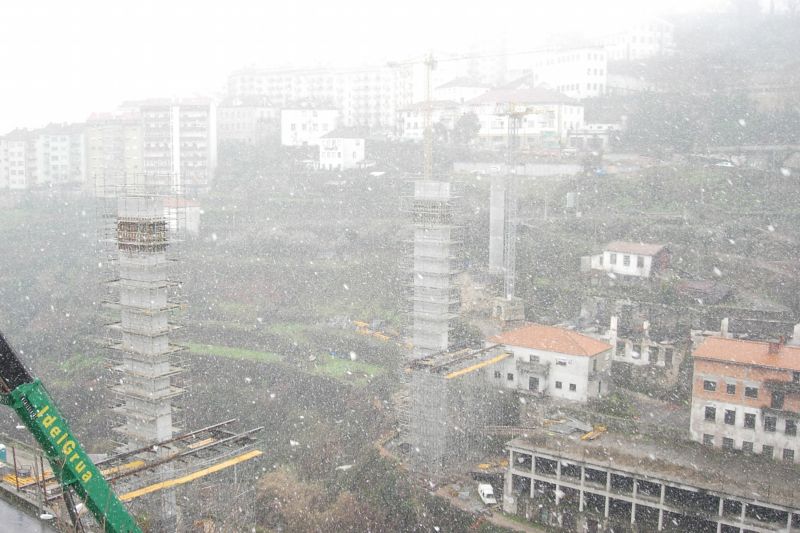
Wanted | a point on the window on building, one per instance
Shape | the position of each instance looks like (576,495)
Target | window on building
(668,357)
(749,420)
(747,446)
(621,348)
(534,359)
(573,387)
(788,455)
(791,428)
(510,376)
(533,383)
(558,384)
(561,362)
(770,423)
(709,385)
(730,417)
(640,261)
(612,259)
(730,388)
(711,414)
(626,260)
(708,440)
(796,377)
(751,392)
(769,451)
(497,374)
(777,400)
(727,443)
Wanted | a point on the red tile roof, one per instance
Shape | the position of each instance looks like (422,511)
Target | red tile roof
(552,339)
(745,352)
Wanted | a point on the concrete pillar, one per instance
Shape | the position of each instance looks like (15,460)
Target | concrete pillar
(608,492)
(661,508)
(580,494)
(633,503)
(719,514)
(558,481)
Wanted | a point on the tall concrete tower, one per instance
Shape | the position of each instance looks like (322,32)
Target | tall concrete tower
(435,299)
(144,391)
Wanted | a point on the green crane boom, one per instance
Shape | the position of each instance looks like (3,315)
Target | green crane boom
(71,466)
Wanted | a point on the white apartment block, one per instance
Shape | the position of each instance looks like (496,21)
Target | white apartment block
(247,119)
(60,155)
(304,123)
(552,361)
(631,259)
(20,160)
(746,396)
(544,118)
(114,148)
(576,72)
(646,39)
(178,141)
(342,149)
(411,119)
(368,97)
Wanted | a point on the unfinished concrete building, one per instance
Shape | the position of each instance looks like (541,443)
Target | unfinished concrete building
(620,483)
(434,298)
(450,407)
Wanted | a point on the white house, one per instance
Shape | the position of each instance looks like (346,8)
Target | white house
(553,361)
(341,149)
(631,259)
(411,119)
(544,118)
(305,123)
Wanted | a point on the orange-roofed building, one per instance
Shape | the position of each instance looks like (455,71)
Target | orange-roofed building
(746,396)
(553,361)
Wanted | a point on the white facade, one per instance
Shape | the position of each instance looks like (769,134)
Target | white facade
(247,119)
(368,97)
(577,72)
(544,118)
(60,155)
(628,259)
(305,126)
(3,164)
(460,90)
(411,120)
(576,376)
(646,39)
(18,160)
(340,152)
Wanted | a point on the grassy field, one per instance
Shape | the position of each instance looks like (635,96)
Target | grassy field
(234,353)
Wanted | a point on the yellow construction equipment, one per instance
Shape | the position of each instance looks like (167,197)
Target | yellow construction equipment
(594,433)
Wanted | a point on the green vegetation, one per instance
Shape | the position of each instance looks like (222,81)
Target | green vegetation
(343,369)
(234,353)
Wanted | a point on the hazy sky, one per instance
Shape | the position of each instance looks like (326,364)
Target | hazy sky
(62,60)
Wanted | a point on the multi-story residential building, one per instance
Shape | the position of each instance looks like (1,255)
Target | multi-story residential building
(342,149)
(645,39)
(60,154)
(247,119)
(631,259)
(411,119)
(746,396)
(368,97)
(552,361)
(178,141)
(19,159)
(3,164)
(113,149)
(576,72)
(544,118)
(304,123)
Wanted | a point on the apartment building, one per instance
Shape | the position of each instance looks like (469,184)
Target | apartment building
(367,97)
(114,146)
(544,118)
(247,119)
(746,396)
(552,361)
(411,119)
(60,154)
(576,72)
(645,39)
(178,141)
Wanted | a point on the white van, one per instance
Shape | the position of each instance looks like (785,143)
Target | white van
(486,493)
